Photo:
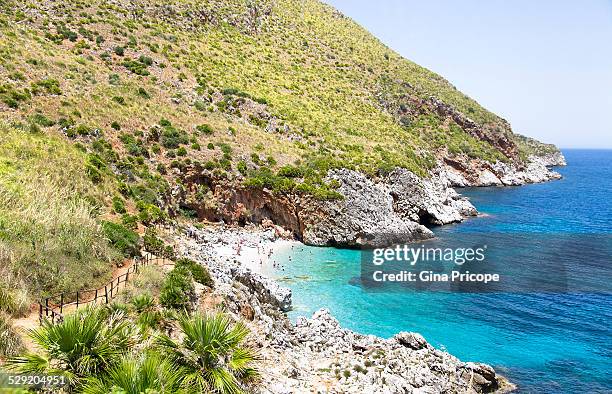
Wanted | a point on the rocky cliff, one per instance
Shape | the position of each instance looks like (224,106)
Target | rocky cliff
(372,211)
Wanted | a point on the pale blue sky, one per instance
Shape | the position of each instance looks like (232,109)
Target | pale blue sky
(544,65)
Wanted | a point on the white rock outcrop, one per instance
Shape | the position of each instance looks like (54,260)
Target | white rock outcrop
(388,210)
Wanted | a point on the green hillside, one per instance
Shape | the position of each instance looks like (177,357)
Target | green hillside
(315,78)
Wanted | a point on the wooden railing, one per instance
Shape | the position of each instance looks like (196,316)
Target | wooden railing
(54,307)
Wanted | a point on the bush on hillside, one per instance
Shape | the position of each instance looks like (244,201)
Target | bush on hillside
(152,243)
(199,272)
(122,238)
(172,138)
(205,129)
(178,290)
(119,205)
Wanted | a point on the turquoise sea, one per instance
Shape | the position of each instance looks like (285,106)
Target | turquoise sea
(557,341)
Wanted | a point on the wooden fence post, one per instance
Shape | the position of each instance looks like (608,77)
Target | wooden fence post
(77,300)
(106,293)
(62,303)
(96,297)
(47,307)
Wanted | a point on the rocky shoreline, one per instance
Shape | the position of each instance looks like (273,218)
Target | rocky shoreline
(317,354)
(399,206)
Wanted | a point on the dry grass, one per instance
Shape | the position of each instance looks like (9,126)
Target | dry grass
(10,341)
(50,240)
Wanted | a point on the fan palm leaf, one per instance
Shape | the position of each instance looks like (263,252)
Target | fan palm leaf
(136,375)
(211,354)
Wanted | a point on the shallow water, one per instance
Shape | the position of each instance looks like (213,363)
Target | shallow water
(559,341)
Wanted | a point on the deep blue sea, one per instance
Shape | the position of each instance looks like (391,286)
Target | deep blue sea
(556,341)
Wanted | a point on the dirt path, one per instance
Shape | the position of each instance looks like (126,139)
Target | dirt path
(31,321)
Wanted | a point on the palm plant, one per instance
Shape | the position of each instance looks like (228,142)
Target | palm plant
(147,315)
(211,356)
(135,375)
(86,343)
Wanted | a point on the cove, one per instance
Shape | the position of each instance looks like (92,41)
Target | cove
(558,341)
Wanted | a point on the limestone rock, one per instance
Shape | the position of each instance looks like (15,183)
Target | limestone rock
(412,340)
(384,211)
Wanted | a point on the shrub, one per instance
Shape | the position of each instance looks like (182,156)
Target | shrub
(124,189)
(289,171)
(119,100)
(96,161)
(205,129)
(210,165)
(178,290)
(49,85)
(242,167)
(145,60)
(34,128)
(172,138)
(116,126)
(210,146)
(225,164)
(195,146)
(200,105)
(122,238)
(150,213)
(212,343)
(114,79)
(146,373)
(143,93)
(136,67)
(226,149)
(93,173)
(169,252)
(15,302)
(181,151)
(118,205)
(152,243)
(255,159)
(84,344)
(42,120)
(130,221)
(199,272)
(119,51)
